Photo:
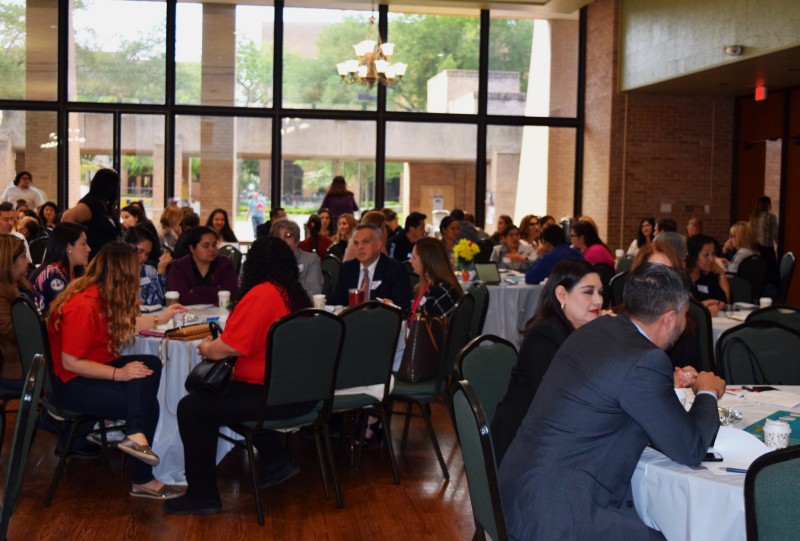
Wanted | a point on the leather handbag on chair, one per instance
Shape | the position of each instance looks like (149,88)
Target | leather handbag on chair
(214,376)
(422,357)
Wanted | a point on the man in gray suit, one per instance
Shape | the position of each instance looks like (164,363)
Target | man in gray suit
(307,263)
(607,394)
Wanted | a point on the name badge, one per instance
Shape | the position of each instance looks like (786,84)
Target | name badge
(144,281)
(702,288)
(299,267)
(375,285)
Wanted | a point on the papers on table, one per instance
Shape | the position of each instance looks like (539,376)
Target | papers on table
(738,449)
(784,399)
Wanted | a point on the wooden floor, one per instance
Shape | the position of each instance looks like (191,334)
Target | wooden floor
(92,503)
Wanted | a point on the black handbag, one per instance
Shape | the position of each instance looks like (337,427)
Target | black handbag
(422,357)
(214,376)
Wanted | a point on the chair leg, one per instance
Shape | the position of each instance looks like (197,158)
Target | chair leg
(62,461)
(387,437)
(409,406)
(434,441)
(362,434)
(321,461)
(336,487)
(251,458)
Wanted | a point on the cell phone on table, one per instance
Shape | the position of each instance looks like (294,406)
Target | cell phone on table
(712,457)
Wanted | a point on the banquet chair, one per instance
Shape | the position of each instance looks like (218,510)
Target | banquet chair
(741,289)
(8,394)
(759,352)
(370,341)
(23,434)
(606,273)
(303,351)
(481,294)
(616,286)
(780,313)
(424,392)
(330,264)
(624,263)
(234,254)
(37,249)
(477,451)
(771,505)
(486,362)
(31,333)
(754,270)
(785,271)
(704,333)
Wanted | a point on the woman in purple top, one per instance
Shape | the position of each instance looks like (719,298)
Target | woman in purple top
(199,276)
(339,200)
(585,238)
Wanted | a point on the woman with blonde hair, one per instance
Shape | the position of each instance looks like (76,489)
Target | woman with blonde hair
(170,226)
(89,325)
(740,245)
(344,230)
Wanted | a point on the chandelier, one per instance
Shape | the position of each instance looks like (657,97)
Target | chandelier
(373,64)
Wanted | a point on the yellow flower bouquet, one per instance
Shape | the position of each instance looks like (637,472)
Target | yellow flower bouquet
(464,252)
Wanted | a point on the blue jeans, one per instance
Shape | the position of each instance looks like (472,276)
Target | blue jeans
(135,401)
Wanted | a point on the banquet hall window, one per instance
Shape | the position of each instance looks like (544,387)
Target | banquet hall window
(90,147)
(28,142)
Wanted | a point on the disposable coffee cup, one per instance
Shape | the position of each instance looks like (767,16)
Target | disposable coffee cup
(776,434)
(224,298)
(319,301)
(619,252)
(171,297)
(763,302)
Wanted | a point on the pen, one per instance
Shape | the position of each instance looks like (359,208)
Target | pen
(734,470)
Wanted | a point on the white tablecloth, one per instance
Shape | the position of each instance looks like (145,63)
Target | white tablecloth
(720,324)
(510,307)
(178,360)
(693,503)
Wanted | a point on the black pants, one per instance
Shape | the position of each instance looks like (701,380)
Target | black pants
(202,413)
(135,401)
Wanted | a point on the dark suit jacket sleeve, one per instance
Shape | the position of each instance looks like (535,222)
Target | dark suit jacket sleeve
(397,286)
(649,398)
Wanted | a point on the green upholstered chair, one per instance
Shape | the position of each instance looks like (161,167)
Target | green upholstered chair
(771,505)
(779,313)
(704,333)
(759,352)
(486,362)
(481,294)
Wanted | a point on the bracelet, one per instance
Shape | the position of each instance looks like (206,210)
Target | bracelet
(155,321)
(114,375)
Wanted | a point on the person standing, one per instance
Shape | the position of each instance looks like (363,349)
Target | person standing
(98,210)
(607,394)
(22,189)
(339,200)
(256,210)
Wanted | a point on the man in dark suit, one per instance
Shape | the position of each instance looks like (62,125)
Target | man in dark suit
(377,274)
(607,394)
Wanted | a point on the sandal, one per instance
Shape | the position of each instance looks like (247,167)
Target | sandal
(166,492)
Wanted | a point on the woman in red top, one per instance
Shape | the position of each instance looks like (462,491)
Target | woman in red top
(269,290)
(89,323)
(315,242)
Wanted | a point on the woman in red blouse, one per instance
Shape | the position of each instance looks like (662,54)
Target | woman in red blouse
(89,324)
(269,290)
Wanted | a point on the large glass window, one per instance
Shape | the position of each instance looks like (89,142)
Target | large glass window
(530,170)
(28,142)
(442,56)
(90,147)
(221,162)
(430,168)
(142,163)
(120,51)
(28,50)
(315,41)
(315,151)
(210,38)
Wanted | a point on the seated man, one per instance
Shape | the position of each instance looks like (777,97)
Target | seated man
(607,394)
(380,276)
(308,264)
(553,248)
(401,244)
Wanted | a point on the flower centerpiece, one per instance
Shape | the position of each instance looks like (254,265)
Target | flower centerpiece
(464,252)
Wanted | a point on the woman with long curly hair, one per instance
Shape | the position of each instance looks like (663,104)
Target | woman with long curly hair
(89,324)
(219,222)
(270,289)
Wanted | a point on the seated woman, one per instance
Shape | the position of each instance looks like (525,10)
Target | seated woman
(328,229)
(218,221)
(571,297)
(530,230)
(66,258)
(709,282)
(646,230)
(437,291)
(202,274)
(740,245)
(152,280)
(511,254)
(585,238)
(14,263)
(315,242)
(450,228)
(270,290)
(132,215)
(170,222)
(503,221)
(345,227)
(89,324)
(48,215)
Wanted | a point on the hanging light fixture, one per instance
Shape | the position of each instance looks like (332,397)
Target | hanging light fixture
(373,62)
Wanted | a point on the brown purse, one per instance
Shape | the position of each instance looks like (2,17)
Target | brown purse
(422,357)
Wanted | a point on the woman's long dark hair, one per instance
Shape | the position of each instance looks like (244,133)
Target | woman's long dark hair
(589,234)
(58,242)
(105,187)
(435,264)
(640,238)
(566,273)
(338,187)
(271,260)
(314,226)
(226,233)
(763,204)
(41,213)
(694,245)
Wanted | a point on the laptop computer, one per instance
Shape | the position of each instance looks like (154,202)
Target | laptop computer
(487,273)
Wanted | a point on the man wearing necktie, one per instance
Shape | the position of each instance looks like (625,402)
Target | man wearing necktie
(379,276)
